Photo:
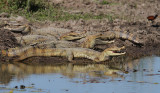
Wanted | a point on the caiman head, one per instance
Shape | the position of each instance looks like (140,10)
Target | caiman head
(73,36)
(27,29)
(115,51)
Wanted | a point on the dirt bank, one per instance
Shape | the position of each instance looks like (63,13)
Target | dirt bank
(149,35)
(7,40)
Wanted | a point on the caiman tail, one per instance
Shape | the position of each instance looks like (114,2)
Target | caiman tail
(122,35)
(33,51)
(13,52)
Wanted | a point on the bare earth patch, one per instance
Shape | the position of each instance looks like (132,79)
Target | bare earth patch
(120,9)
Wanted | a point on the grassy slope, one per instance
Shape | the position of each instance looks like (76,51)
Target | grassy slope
(41,10)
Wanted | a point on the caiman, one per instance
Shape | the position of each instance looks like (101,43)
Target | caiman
(72,36)
(60,33)
(24,29)
(52,31)
(110,35)
(121,35)
(34,39)
(55,44)
(92,40)
(87,42)
(70,53)
(104,38)
(14,25)
(48,41)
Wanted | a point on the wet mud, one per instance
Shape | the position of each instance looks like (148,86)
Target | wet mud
(7,40)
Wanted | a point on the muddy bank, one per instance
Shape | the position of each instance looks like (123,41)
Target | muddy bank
(149,35)
(7,40)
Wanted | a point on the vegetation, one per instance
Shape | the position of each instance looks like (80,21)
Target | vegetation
(104,2)
(42,10)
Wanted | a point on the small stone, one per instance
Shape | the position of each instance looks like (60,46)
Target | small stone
(22,87)
(16,87)
(135,70)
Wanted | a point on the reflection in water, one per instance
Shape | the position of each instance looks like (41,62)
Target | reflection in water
(5,75)
(21,70)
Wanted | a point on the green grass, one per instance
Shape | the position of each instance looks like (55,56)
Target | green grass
(40,10)
(104,2)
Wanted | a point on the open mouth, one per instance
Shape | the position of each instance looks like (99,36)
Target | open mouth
(107,39)
(118,51)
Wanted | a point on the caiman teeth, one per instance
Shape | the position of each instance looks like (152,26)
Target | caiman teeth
(117,51)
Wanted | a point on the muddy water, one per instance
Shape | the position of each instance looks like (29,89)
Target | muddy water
(137,76)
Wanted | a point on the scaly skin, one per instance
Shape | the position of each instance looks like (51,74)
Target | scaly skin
(73,36)
(110,35)
(52,31)
(60,33)
(25,29)
(34,39)
(57,44)
(92,40)
(39,39)
(88,42)
(122,35)
(49,41)
(70,53)
(103,38)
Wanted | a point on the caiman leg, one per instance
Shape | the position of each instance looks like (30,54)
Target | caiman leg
(91,41)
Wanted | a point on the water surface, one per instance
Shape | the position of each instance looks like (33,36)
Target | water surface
(137,76)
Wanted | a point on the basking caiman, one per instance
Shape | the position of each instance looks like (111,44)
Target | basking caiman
(70,53)
(48,41)
(121,35)
(110,35)
(25,29)
(34,39)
